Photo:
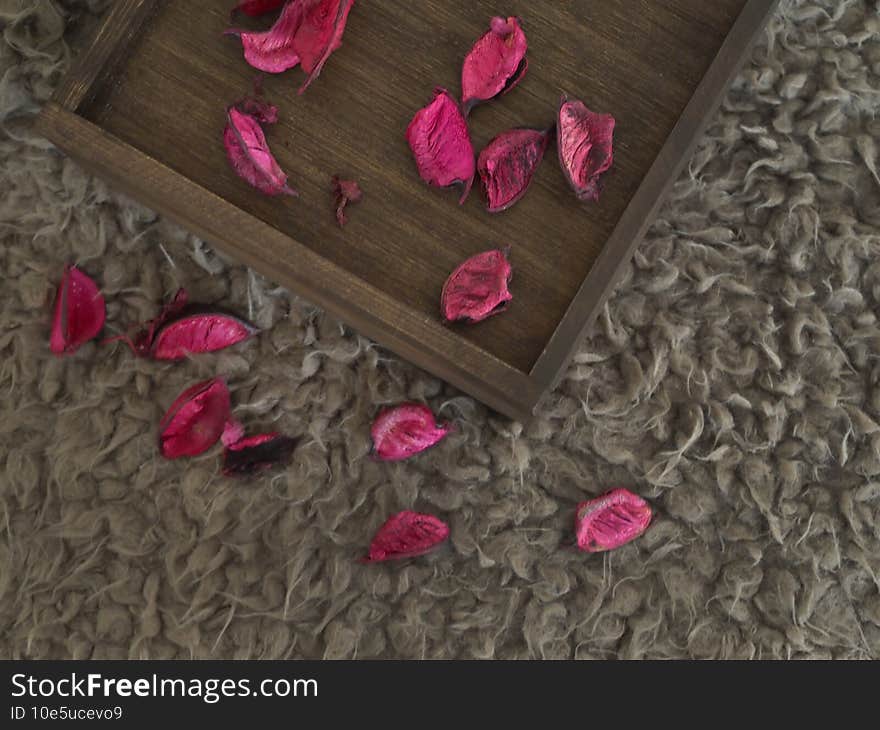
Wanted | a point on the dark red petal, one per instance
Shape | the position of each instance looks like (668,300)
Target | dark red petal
(257,7)
(345,192)
(440,142)
(320,34)
(199,333)
(508,164)
(585,143)
(404,431)
(273,51)
(250,156)
(407,535)
(257,453)
(196,420)
(610,521)
(79,312)
(478,288)
(495,64)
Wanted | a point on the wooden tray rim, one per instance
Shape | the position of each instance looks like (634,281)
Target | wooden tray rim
(425,343)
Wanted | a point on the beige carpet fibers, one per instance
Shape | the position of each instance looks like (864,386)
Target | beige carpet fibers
(732,380)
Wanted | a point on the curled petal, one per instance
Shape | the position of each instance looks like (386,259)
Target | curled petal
(585,142)
(257,453)
(250,156)
(183,329)
(610,521)
(196,420)
(345,192)
(401,432)
(441,144)
(198,333)
(508,164)
(478,288)
(79,312)
(495,64)
(320,34)
(274,50)
(257,7)
(407,535)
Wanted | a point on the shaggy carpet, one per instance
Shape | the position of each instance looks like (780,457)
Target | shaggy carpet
(732,380)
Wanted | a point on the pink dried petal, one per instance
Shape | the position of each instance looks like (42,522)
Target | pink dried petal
(407,535)
(78,314)
(585,142)
(478,288)
(495,64)
(508,164)
(257,7)
(142,342)
(183,329)
(257,453)
(199,333)
(249,154)
(196,420)
(345,192)
(441,144)
(610,521)
(274,50)
(233,433)
(405,430)
(320,34)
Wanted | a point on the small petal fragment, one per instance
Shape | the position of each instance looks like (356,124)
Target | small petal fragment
(401,432)
(477,289)
(249,153)
(274,50)
(440,142)
(257,7)
(508,164)
(78,314)
(585,142)
(320,34)
(610,521)
(196,420)
(495,64)
(257,453)
(345,192)
(407,535)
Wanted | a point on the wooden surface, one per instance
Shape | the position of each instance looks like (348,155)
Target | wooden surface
(163,110)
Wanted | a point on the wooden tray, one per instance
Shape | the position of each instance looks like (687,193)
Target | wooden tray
(145,108)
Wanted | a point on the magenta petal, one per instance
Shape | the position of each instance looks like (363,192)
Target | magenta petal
(478,288)
(199,333)
(508,164)
(250,156)
(320,34)
(405,430)
(196,420)
(495,64)
(78,314)
(273,51)
(585,143)
(407,535)
(441,145)
(257,453)
(610,521)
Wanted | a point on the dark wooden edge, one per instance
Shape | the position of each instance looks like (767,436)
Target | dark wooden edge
(370,311)
(108,48)
(645,205)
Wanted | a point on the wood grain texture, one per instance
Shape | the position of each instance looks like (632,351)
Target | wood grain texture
(150,112)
